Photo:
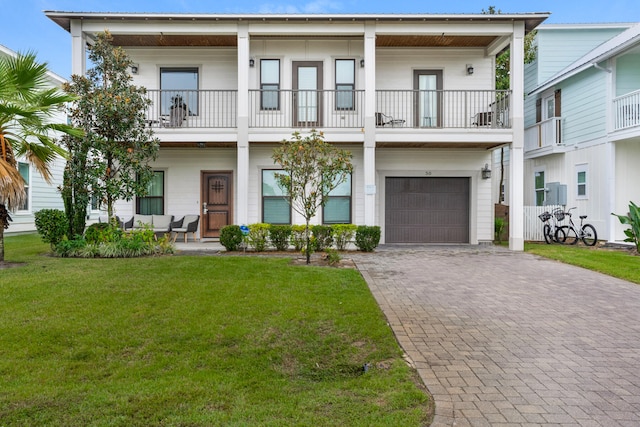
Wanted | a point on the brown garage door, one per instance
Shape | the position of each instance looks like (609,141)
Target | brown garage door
(427,210)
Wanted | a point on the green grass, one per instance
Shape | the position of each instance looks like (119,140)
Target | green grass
(195,340)
(617,263)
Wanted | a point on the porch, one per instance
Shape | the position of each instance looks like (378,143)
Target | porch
(415,109)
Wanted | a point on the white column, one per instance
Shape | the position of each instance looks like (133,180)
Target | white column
(78,48)
(242,178)
(611,220)
(516,159)
(369,148)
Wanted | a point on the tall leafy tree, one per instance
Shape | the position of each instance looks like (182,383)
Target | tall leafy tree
(112,161)
(312,169)
(27,104)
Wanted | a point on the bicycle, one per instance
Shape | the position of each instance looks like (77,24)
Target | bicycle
(550,228)
(570,233)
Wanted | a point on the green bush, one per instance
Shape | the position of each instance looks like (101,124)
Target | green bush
(342,234)
(279,236)
(632,219)
(52,225)
(333,256)
(499,225)
(70,248)
(257,237)
(102,232)
(298,240)
(367,237)
(322,236)
(231,237)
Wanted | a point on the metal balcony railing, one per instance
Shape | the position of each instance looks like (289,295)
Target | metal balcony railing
(306,108)
(193,108)
(443,108)
(626,111)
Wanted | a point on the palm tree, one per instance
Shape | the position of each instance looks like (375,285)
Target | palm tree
(27,103)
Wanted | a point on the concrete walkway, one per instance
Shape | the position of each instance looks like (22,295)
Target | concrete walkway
(504,338)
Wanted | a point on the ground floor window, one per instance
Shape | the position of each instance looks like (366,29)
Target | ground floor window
(23,168)
(581,181)
(539,188)
(153,202)
(337,209)
(275,200)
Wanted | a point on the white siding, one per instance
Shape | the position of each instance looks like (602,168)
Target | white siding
(627,177)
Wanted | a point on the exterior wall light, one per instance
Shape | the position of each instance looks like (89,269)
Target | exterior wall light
(486,172)
(135,68)
(252,62)
(362,63)
(469,69)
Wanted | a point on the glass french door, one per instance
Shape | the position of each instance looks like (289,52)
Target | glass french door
(307,93)
(428,98)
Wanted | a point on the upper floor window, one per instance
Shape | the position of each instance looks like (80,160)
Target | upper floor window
(269,84)
(549,106)
(153,202)
(25,173)
(179,89)
(581,181)
(337,209)
(275,200)
(345,84)
(539,188)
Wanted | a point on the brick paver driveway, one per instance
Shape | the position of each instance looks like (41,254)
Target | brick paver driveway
(504,338)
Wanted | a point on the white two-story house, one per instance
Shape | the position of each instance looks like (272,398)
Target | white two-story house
(582,121)
(411,96)
(40,194)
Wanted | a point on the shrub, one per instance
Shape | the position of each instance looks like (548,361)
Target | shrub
(257,237)
(279,236)
(499,224)
(102,232)
(52,225)
(323,237)
(333,256)
(632,219)
(342,234)
(367,237)
(298,239)
(231,237)
(70,248)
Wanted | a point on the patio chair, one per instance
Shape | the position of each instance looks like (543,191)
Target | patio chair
(383,120)
(188,224)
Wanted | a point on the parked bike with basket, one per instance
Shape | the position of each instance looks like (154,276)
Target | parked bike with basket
(556,231)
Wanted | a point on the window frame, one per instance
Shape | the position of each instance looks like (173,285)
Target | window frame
(339,86)
(264,84)
(162,197)
(349,197)
(27,187)
(167,94)
(537,189)
(264,197)
(584,169)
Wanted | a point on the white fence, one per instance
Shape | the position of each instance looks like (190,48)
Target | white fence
(532,224)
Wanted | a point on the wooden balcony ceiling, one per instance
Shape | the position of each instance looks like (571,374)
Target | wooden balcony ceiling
(221,40)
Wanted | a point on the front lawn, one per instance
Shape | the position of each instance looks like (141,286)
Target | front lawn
(617,263)
(195,340)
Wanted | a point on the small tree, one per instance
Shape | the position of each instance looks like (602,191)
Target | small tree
(114,157)
(312,169)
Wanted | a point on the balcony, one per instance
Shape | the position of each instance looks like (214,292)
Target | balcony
(626,111)
(544,138)
(411,109)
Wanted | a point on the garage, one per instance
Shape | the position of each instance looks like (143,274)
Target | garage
(426,210)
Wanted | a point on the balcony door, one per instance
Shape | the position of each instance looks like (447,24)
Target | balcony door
(427,85)
(307,93)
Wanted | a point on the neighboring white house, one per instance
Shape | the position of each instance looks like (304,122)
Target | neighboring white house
(40,194)
(412,96)
(582,121)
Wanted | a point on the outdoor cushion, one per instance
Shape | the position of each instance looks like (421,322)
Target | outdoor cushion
(162,222)
(144,219)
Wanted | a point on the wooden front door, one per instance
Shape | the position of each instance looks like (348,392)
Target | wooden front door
(217,202)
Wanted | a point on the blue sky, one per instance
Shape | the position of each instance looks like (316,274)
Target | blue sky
(24,26)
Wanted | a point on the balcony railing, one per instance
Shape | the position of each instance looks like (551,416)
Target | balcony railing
(547,133)
(330,109)
(306,108)
(443,108)
(626,111)
(193,108)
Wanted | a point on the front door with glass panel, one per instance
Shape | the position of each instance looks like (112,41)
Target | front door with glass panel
(307,93)
(427,85)
(217,202)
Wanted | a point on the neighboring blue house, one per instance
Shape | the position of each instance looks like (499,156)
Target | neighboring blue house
(40,194)
(582,121)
